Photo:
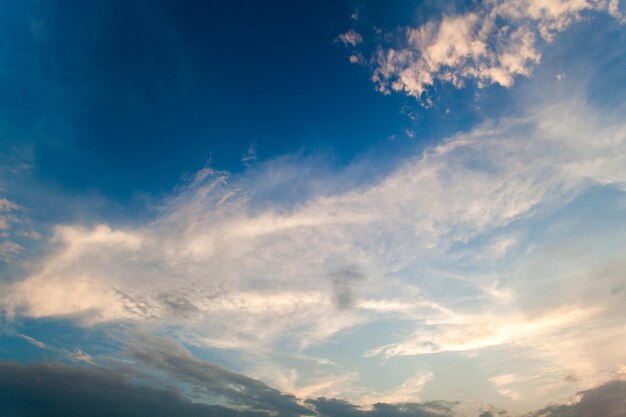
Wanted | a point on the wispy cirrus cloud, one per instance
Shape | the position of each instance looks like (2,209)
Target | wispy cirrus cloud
(296,275)
(8,248)
(14,230)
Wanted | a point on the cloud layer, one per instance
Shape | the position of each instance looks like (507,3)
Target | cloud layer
(293,276)
(54,389)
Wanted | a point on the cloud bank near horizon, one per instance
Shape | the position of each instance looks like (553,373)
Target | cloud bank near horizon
(52,389)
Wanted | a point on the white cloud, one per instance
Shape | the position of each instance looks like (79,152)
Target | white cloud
(616,11)
(74,355)
(7,205)
(9,249)
(408,392)
(350,38)
(33,341)
(465,333)
(357,58)
(80,356)
(493,44)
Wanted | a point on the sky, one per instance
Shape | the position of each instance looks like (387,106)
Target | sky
(323,208)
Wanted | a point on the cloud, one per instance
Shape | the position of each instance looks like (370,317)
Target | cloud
(40,390)
(343,280)
(33,341)
(12,214)
(408,392)
(74,355)
(474,332)
(236,389)
(350,38)
(250,157)
(614,10)
(492,44)
(7,205)
(30,234)
(9,250)
(331,407)
(607,400)
(357,58)
(294,274)
(53,389)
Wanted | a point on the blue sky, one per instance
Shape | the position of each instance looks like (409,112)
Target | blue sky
(320,208)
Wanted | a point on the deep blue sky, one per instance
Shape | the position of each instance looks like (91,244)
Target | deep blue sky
(125,97)
(133,94)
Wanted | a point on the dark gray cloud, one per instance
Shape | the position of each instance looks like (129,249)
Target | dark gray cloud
(608,400)
(343,282)
(178,303)
(169,356)
(494,413)
(332,407)
(56,390)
